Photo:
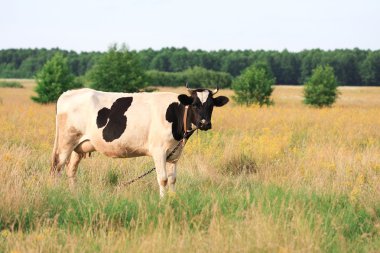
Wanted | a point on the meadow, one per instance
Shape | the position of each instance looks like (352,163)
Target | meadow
(286,178)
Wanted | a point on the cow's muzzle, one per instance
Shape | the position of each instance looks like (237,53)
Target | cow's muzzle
(204,125)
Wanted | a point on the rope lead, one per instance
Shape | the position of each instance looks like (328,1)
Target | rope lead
(182,142)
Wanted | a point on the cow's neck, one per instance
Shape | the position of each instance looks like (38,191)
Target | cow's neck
(185,117)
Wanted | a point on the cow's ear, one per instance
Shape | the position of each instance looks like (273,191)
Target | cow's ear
(220,101)
(185,100)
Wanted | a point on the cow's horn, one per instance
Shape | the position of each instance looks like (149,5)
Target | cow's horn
(188,89)
(216,90)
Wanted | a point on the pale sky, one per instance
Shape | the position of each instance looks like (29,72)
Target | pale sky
(92,25)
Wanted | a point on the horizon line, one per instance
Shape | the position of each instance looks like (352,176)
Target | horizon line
(190,50)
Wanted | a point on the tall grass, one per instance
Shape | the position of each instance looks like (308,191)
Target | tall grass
(280,179)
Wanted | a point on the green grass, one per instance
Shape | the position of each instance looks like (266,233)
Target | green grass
(197,205)
(10,84)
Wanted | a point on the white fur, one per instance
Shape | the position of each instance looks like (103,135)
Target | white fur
(203,96)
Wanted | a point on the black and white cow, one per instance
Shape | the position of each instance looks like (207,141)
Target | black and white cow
(129,125)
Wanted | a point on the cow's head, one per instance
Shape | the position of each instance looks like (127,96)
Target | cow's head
(201,102)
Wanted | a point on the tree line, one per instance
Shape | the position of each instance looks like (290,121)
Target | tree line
(170,66)
(25,63)
(119,70)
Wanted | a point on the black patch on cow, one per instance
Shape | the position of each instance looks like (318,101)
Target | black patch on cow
(174,114)
(102,118)
(117,121)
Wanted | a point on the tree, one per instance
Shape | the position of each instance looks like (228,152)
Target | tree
(118,70)
(370,68)
(285,66)
(53,79)
(235,62)
(310,60)
(321,89)
(254,86)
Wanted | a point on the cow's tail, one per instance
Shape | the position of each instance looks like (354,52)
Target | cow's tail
(55,155)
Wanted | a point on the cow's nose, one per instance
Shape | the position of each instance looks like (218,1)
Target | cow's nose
(208,126)
(205,125)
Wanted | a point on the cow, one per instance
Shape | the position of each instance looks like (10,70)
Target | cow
(122,125)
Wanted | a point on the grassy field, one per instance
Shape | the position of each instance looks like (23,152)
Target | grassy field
(287,178)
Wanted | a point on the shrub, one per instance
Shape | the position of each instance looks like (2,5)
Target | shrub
(118,70)
(202,78)
(10,84)
(197,77)
(254,86)
(321,89)
(53,79)
(239,164)
(161,78)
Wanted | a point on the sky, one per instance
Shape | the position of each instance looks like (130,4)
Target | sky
(93,25)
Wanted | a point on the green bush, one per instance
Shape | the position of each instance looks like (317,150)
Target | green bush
(53,79)
(10,84)
(118,70)
(321,89)
(254,86)
(161,78)
(202,78)
(198,77)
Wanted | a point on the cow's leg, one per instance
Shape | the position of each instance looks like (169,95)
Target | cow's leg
(59,161)
(159,158)
(72,168)
(63,152)
(172,175)
(66,140)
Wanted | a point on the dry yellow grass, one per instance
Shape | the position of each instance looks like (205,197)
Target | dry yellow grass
(323,149)
(332,151)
